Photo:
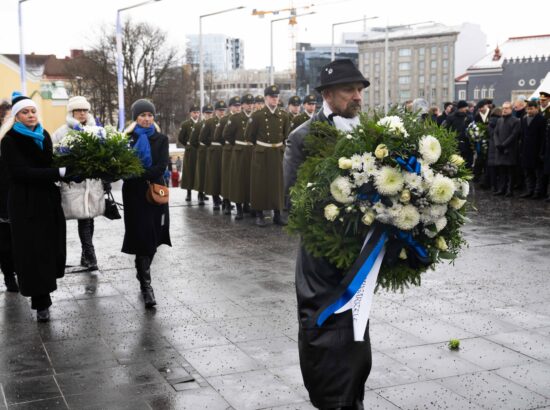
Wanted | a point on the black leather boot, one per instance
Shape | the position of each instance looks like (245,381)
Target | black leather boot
(239,215)
(143,269)
(11,282)
(86,233)
(201,199)
(227,207)
(188,197)
(246,208)
(278,219)
(217,201)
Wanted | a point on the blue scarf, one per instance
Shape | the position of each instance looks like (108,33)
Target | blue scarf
(37,135)
(142,145)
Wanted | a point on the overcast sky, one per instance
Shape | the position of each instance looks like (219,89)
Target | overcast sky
(56,26)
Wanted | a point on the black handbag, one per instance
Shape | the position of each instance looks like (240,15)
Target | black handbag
(111,207)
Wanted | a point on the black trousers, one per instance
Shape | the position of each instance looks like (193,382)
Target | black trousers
(536,181)
(41,302)
(506,178)
(86,235)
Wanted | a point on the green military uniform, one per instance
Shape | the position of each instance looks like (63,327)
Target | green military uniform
(213,139)
(303,116)
(227,151)
(268,131)
(201,151)
(190,155)
(239,169)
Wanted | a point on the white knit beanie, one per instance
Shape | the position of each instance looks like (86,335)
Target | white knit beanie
(78,103)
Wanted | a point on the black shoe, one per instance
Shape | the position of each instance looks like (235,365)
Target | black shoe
(188,197)
(526,195)
(246,208)
(509,194)
(216,207)
(239,215)
(43,315)
(538,196)
(260,221)
(498,193)
(201,199)
(204,197)
(227,207)
(278,219)
(148,297)
(11,283)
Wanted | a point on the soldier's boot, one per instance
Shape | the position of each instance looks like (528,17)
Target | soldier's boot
(278,219)
(143,269)
(260,219)
(188,197)
(239,215)
(217,201)
(226,207)
(11,282)
(201,199)
(246,208)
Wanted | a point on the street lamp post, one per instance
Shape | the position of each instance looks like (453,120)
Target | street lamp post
(201,70)
(22,61)
(364,20)
(271,68)
(119,62)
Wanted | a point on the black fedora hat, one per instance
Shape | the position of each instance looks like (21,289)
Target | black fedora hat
(340,72)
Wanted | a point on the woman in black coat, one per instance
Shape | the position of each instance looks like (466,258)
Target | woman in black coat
(34,205)
(146,225)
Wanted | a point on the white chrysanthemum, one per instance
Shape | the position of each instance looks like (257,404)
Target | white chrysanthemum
(368,159)
(406,218)
(394,124)
(441,223)
(356,161)
(462,187)
(340,189)
(413,181)
(442,189)
(430,149)
(360,178)
(389,181)
(331,212)
(432,213)
(370,168)
(427,173)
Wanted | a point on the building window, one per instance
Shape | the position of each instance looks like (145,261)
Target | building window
(433,79)
(377,68)
(377,56)
(484,92)
(434,50)
(444,93)
(461,94)
(404,79)
(421,79)
(404,95)
(421,92)
(491,92)
(421,51)
(445,49)
(421,66)
(434,93)
(404,52)
(404,66)
(476,93)
(366,57)
(445,63)
(445,78)
(366,68)
(433,64)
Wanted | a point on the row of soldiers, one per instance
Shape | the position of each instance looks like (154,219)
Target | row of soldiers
(236,152)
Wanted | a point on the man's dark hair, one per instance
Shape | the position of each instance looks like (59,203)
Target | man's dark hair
(446,104)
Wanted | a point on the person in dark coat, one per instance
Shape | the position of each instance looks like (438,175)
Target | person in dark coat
(491,177)
(506,137)
(334,366)
(458,121)
(36,217)
(533,132)
(190,154)
(481,118)
(211,177)
(447,110)
(146,225)
(200,168)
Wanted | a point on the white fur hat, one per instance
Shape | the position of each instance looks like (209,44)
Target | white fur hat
(78,103)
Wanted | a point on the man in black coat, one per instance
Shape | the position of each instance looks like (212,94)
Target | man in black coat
(533,132)
(506,137)
(334,366)
(447,110)
(458,121)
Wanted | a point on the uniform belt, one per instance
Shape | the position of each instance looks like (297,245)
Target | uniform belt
(216,143)
(227,143)
(238,142)
(200,143)
(265,144)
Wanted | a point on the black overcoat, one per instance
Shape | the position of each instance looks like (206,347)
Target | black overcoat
(146,225)
(532,141)
(458,121)
(334,366)
(35,213)
(506,139)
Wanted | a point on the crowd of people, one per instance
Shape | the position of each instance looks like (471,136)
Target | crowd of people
(36,198)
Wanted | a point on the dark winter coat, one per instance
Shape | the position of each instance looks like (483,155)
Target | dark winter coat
(213,171)
(190,155)
(532,141)
(206,136)
(5,232)
(506,137)
(334,366)
(226,156)
(146,225)
(34,208)
(458,121)
(241,155)
(492,151)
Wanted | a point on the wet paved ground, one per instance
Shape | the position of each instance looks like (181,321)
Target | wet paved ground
(224,333)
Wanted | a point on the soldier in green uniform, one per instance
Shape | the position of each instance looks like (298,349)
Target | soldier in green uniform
(267,130)
(212,169)
(234,108)
(259,102)
(293,108)
(309,109)
(239,168)
(190,154)
(198,184)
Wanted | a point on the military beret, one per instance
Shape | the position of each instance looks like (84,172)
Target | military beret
(310,99)
(220,105)
(272,90)
(259,99)
(235,100)
(208,108)
(294,100)
(194,107)
(249,99)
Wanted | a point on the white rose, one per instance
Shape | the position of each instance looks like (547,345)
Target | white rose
(331,212)
(456,203)
(456,160)
(344,163)
(368,218)
(441,244)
